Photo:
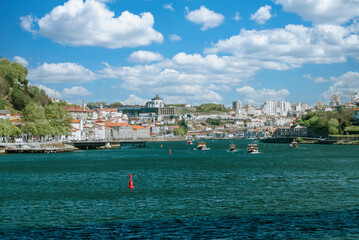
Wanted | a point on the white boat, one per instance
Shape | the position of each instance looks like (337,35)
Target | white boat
(232,148)
(294,144)
(252,148)
(190,141)
(202,146)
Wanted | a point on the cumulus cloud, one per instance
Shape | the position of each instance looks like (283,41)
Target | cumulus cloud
(91,23)
(205,17)
(323,11)
(76,91)
(342,86)
(186,77)
(21,60)
(144,57)
(61,73)
(175,38)
(50,91)
(256,97)
(292,46)
(237,17)
(168,6)
(262,15)
(134,100)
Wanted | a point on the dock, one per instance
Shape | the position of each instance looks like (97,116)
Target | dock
(31,150)
(92,144)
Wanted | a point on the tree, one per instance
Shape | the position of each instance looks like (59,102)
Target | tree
(180,131)
(7,129)
(14,72)
(34,112)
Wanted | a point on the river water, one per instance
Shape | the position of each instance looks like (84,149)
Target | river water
(311,192)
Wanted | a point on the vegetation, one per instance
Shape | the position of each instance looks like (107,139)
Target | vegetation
(182,130)
(15,93)
(93,105)
(49,120)
(213,122)
(41,117)
(7,129)
(211,107)
(333,122)
(115,104)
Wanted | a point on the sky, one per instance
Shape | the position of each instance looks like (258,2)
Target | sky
(185,51)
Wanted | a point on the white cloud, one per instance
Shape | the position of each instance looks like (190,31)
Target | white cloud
(343,86)
(168,6)
(50,91)
(323,11)
(257,97)
(292,46)
(205,17)
(76,91)
(175,38)
(21,60)
(144,57)
(134,100)
(91,23)
(237,17)
(262,15)
(320,80)
(61,73)
(307,76)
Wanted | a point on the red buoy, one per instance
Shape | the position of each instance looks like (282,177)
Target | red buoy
(170,151)
(130,183)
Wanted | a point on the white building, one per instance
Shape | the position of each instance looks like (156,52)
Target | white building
(236,105)
(270,107)
(156,102)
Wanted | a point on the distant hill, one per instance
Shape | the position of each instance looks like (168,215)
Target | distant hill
(15,91)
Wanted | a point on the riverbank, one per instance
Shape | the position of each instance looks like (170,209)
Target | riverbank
(310,141)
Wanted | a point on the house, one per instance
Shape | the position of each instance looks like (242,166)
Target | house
(356,115)
(5,114)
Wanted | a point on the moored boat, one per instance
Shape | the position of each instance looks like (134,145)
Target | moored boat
(190,141)
(252,148)
(232,148)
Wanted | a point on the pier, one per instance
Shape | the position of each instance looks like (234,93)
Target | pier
(92,144)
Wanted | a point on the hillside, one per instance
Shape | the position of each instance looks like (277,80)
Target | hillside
(15,91)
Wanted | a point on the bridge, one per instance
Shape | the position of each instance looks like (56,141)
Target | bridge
(93,144)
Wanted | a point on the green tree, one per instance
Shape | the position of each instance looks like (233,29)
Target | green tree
(7,129)
(33,112)
(14,72)
(180,131)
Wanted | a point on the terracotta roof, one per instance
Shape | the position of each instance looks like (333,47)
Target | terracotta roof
(137,127)
(109,110)
(75,121)
(112,124)
(157,98)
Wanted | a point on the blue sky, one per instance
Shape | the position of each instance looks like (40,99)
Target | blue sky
(186,51)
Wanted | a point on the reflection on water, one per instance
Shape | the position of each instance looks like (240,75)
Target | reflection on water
(308,192)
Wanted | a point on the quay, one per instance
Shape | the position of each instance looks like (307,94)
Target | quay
(31,150)
(92,144)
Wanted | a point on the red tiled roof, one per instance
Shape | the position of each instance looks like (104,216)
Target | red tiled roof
(112,124)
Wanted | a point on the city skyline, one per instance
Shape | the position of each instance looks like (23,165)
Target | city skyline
(185,51)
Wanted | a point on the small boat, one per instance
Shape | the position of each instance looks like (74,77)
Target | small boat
(232,148)
(190,141)
(202,146)
(252,148)
(294,144)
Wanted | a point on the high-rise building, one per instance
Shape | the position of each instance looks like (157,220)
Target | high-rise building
(355,98)
(236,105)
(335,101)
(284,107)
(270,107)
